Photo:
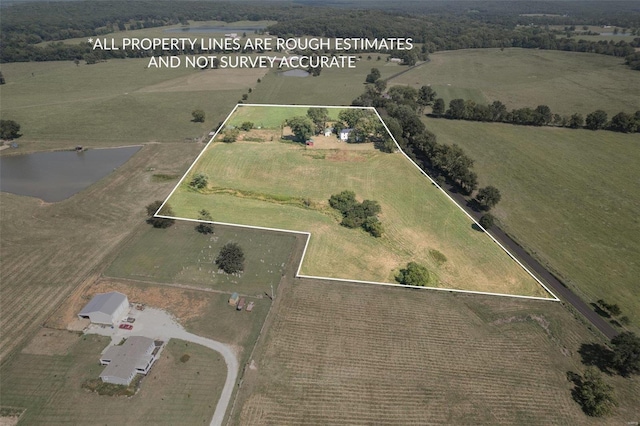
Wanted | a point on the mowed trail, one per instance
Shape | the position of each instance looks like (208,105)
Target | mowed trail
(49,249)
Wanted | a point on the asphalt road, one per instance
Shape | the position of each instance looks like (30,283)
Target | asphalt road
(559,289)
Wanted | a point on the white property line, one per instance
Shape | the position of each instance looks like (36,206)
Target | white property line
(308,234)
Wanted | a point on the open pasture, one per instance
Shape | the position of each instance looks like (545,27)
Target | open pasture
(117,102)
(571,197)
(354,354)
(182,255)
(287,186)
(174,392)
(568,82)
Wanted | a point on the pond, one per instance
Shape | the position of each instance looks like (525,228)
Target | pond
(295,73)
(214,29)
(55,176)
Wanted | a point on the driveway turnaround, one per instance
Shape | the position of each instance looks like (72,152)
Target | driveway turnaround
(159,325)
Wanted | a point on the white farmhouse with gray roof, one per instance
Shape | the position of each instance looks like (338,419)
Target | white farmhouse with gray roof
(135,356)
(106,308)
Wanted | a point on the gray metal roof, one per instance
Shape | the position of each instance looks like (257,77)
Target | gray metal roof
(124,359)
(107,303)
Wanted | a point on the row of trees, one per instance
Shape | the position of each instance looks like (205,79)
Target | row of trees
(460,109)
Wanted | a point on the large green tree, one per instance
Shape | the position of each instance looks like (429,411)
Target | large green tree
(415,275)
(231,258)
(488,197)
(626,353)
(595,396)
(302,127)
(373,76)
(426,95)
(319,116)
(9,130)
(596,120)
(205,227)
(159,222)
(198,116)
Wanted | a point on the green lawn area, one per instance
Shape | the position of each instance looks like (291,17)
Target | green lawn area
(174,392)
(267,184)
(181,255)
(570,196)
(567,82)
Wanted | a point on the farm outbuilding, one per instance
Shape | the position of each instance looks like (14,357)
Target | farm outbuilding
(106,308)
(328,131)
(344,134)
(233,300)
(135,356)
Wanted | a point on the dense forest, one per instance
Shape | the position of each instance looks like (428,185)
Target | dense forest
(436,25)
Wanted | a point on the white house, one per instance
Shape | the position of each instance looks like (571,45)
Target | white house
(344,134)
(135,356)
(106,308)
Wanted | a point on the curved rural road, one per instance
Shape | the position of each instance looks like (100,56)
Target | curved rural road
(532,264)
(157,324)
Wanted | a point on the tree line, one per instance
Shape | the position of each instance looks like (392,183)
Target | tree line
(460,109)
(26,25)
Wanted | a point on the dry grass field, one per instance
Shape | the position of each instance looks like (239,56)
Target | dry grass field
(264,184)
(49,249)
(355,354)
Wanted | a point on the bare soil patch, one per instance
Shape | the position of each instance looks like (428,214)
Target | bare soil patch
(51,342)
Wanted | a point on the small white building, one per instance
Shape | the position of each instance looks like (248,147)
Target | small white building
(135,356)
(328,131)
(344,134)
(106,308)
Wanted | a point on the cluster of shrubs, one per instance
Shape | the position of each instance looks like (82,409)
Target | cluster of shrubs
(357,215)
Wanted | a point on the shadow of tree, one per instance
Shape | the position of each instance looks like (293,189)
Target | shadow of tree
(597,355)
(599,310)
(476,228)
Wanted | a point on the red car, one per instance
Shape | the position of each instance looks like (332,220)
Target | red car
(126,326)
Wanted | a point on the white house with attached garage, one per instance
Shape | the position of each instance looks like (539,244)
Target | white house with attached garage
(135,356)
(106,308)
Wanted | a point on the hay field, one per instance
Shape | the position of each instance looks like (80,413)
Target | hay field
(266,184)
(570,196)
(354,354)
(50,249)
(49,386)
(567,82)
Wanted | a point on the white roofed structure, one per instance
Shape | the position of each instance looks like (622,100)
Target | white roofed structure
(106,308)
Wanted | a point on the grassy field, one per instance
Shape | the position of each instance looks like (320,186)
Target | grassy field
(570,196)
(117,102)
(334,86)
(181,255)
(49,386)
(247,186)
(354,354)
(50,249)
(567,82)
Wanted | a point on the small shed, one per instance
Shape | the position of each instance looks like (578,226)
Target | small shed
(241,304)
(250,306)
(328,131)
(233,300)
(309,142)
(106,308)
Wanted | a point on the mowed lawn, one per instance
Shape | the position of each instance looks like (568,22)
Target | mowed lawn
(568,82)
(267,184)
(570,196)
(181,255)
(118,102)
(355,354)
(49,387)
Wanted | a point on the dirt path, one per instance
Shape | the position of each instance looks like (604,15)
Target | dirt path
(158,325)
